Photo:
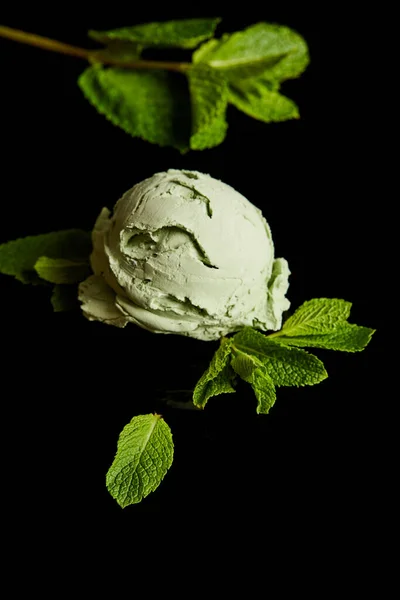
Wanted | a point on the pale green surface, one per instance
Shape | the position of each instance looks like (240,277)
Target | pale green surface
(62,270)
(18,257)
(185,253)
(217,379)
(144,455)
(259,49)
(209,100)
(180,33)
(152,105)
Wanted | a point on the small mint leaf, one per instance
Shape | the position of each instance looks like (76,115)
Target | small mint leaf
(264,390)
(152,105)
(18,257)
(284,368)
(209,100)
(181,33)
(346,337)
(218,377)
(255,98)
(314,317)
(144,455)
(62,270)
(261,48)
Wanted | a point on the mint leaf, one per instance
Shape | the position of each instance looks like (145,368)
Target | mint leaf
(182,33)
(293,368)
(18,257)
(256,98)
(153,105)
(64,298)
(264,390)
(218,378)
(317,316)
(62,270)
(260,48)
(209,100)
(345,337)
(144,455)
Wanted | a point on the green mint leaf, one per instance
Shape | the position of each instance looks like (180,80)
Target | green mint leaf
(144,455)
(317,316)
(218,378)
(152,105)
(209,100)
(252,370)
(64,297)
(260,48)
(19,257)
(346,337)
(62,270)
(284,368)
(182,33)
(256,98)
(116,50)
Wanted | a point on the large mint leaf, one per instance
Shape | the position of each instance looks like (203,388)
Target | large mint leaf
(218,378)
(261,48)
(209,100)
(144,455)
(153,105)
(19,257)
(257,98)
(317,316)
(182,33)
(345,337)
(293,368)
(62,270)
(252,370)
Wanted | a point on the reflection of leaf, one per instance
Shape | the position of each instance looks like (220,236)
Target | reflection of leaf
(18,257)
(153,105)
(144,455)
(209,99)
(181,33)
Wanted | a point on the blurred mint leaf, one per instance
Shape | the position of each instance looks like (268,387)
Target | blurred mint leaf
(153,105)
(285,368)
(64,298)
(261,48)
(209,100)
(218,377)
(257,98)
(316,316)
(345,337)
(62,270)
(144,455)
(181,33)
(18,257)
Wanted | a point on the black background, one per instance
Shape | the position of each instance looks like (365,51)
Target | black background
(69,386)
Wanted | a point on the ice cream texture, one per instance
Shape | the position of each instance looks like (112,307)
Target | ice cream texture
(185,253)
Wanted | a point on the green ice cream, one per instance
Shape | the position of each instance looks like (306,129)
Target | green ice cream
(185,253)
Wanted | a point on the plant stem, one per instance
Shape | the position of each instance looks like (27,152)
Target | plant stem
(90,55)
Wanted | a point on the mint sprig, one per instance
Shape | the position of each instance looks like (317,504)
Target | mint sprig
(184,104)
(269,361)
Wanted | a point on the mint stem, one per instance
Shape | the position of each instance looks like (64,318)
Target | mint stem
(90,55)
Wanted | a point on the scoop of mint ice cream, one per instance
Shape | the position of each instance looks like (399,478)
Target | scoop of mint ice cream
(185,253)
